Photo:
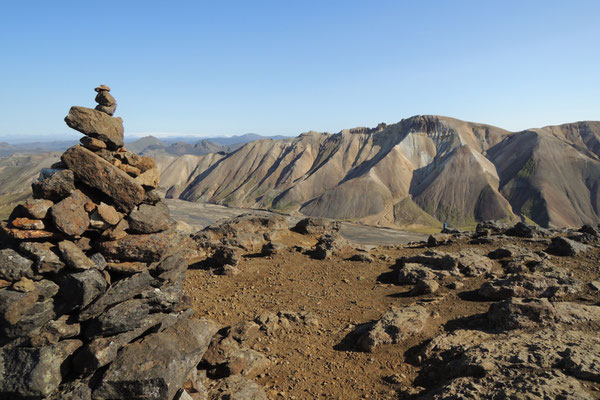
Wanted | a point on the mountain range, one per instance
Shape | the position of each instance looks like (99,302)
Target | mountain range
(424,170)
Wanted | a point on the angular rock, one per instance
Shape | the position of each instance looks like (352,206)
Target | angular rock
(521,230)
(530,285)
(226,255)
(156,367)
(362,257)
(535,313)
(74,257)
(123,317)
(80,289)
(92,144)
(104,98)
(38,208)
(100,174)
(149,178)
(236,387)
(96,124)
(34,372)
(24,313)
(327,245)
(24,285)
(108,214)
(411,273)
(29,224)
(13,266)
(315,226)
(54,184)
(120,291)
(118,231)
(150,247)
(69,215)
(435,260)
(395,326)
(149,218)
(44,254)
(126,268)
(561,246)
(23,234)
(471,263)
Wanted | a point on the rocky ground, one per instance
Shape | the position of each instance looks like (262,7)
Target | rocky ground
(500,313)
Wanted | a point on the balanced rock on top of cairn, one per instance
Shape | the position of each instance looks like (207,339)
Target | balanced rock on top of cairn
(91,293)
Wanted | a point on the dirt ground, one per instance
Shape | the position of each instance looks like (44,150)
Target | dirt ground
(311,362)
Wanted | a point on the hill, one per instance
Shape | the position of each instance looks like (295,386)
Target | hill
(423,170)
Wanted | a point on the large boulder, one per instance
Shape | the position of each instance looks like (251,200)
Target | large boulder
(149,218)
(96,124)
(34,372)
(156,367)
(98,173)
(149,247)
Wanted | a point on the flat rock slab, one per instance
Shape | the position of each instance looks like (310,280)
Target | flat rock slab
(156,367)
(149,218)
(136,247)
(100,174)
(96,124)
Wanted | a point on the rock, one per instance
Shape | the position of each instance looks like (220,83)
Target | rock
(237,387)
(165,299)
(530,285)
(118,231)
(510,251)
(362,257)
(108,214)
(24,285)
(536,313)
(492,226)
(56,330)
(315,226)
(13,266)
(424,287)
(150,247)
(327,245)
(98,173)
(521,230)
(395,326)
(149,218)
(561,246)
(243,331)
(270,249)
(38,208)
(439,239)
(96,124)
(123,317)
(80,289)
(44,255)
(590,230)
(102,88)
(120,291)
(29,224)
(130,170)
(74,257)
(22,234)
(470,263)
(435,260)
(126,268)
(226,255)
(69,216)
(149,178)
(504,357)
(24,313)
(152,197)
(34,372)
(104,98)
(54,184)
(92,144)
(411,274)
(157,366)
(226,357)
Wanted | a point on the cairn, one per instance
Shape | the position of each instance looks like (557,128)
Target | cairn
(91,292)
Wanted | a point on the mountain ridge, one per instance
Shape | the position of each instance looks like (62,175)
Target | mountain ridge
(455,171)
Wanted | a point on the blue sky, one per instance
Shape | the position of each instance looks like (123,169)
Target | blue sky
(284,67)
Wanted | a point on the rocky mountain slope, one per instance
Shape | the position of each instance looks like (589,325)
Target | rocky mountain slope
(423,170)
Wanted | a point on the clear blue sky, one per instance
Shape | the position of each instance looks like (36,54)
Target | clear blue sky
(284,67)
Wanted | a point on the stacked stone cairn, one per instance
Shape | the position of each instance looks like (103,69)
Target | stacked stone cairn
(91,295)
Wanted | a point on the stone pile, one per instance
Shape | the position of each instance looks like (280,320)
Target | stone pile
(91,293)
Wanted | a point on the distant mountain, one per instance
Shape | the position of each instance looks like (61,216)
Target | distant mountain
(154,147)
(424,170)
(7,149)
